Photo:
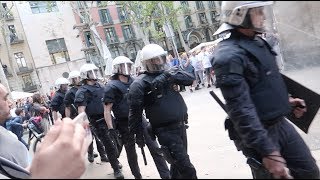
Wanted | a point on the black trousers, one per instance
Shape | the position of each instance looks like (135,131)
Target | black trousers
(129,145)
(153,147)
(174,137)
(292,148)
(102,133)
(100,146)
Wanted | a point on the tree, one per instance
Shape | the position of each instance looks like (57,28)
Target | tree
(143,13)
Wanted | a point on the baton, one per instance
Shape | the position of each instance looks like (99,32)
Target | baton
(144,156)
(223,106)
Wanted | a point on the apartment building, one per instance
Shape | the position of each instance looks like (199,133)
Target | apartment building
(15,56)
(53,43)
(197,24)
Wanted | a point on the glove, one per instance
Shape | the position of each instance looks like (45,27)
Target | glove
(140,139)
(113,134)
(171,71)
(158,82)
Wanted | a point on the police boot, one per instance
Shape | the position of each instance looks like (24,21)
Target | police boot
(138,177)
(104,158)
(118,174)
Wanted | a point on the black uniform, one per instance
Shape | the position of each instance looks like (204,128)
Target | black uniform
(69,102)
(57,103)
(167,113)
(116,92)
(257,100)
(90,97)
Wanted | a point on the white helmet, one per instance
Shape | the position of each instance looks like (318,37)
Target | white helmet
(61,81)
(122,65)
(74,78)
(234,14)
(153,58)
(89,71)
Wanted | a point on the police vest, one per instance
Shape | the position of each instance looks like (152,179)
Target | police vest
(162,106)
(58,101)
(269,83)
(120,108)
(94,95)
(71,96)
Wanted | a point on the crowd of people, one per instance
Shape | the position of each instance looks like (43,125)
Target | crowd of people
(147,109)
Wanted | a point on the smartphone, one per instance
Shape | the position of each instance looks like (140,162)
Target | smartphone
(82,119)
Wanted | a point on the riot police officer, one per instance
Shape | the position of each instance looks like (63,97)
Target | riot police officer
(256,95)
(153,91)
(72,111)
(115,100)
(57,104)
(88,99)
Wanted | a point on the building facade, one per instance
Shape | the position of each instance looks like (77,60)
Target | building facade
(15,56)
(197,25)
(53,43)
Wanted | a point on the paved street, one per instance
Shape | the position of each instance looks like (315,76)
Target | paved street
(210,150)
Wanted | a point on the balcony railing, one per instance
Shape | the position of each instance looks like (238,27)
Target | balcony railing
(30,88)
(8,17)
(24,70)
(16,38)
(112,40)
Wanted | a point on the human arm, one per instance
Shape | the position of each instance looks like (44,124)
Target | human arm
(136,104)
(67,111)
(107,114)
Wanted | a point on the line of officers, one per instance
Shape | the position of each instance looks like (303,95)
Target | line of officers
(119,109)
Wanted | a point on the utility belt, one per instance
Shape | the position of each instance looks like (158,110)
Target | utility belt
(168,126)
(272,122)
(95,120)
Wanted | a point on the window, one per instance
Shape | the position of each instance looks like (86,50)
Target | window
(88,38)
(202,18)
(27,80)
(58,50)
(12,33)
(115,52)
(188,21)
(127,32)
(84,17)
(133,51)
(199,5)
(20,60)
(184,3)
(211,4)
(123,16)
(111,35)
(214,16)
(105,17)
(43,6)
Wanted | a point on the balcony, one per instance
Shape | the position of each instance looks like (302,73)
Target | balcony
(30,88)
(112,40)
(88,49)
(8,17)
(105,23)
(24,70)
(16,38)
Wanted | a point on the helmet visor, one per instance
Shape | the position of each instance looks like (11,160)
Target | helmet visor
(124,69)
(261,18)
(156,64)
(75,81)
(94,74)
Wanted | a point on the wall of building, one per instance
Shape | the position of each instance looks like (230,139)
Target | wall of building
(299,27)
(47,26)
(11,49)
